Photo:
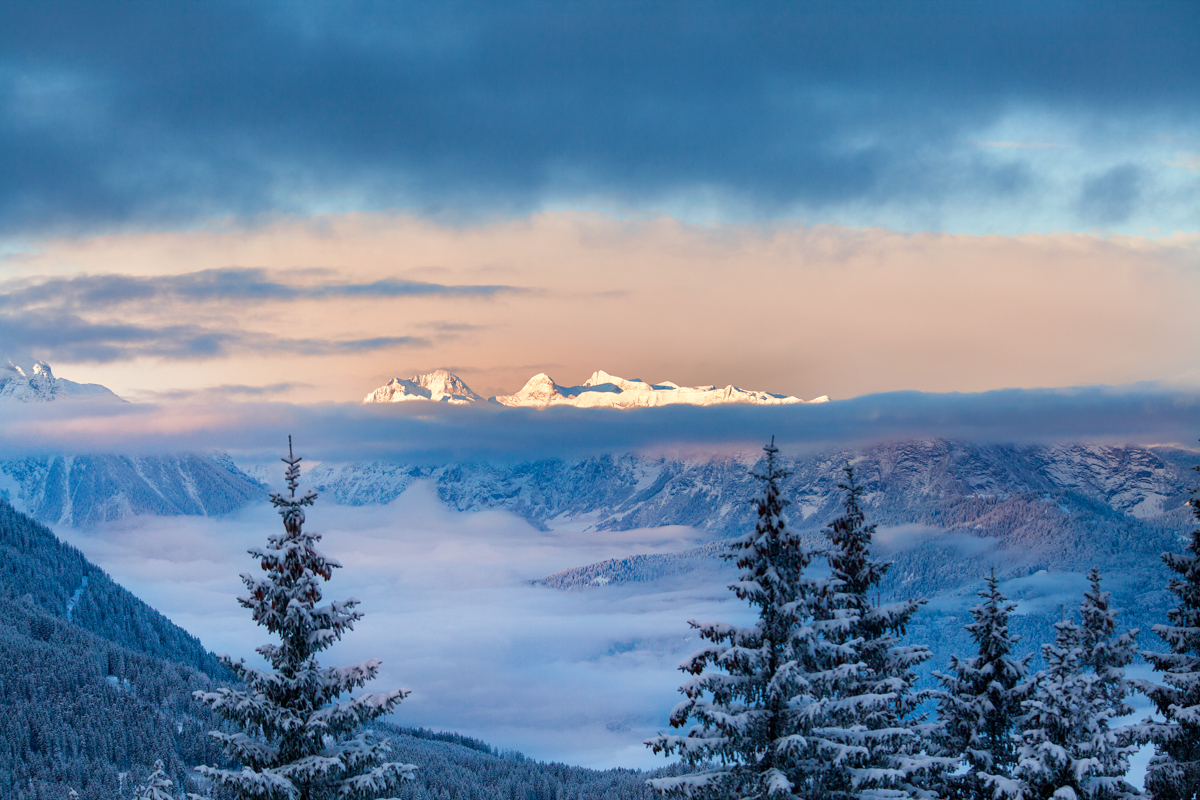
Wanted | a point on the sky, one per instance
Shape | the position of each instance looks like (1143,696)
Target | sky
(300,201)
(971,219)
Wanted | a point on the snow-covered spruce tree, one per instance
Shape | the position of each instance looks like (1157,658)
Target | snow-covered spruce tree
(741,698)
(1105,655)
(1174,771)
(297,741)
(157,785)
(980,702)
(1069,747)
(877,744)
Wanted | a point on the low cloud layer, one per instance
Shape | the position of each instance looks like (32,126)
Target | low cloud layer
(575,677)
(437,434)
(580,677)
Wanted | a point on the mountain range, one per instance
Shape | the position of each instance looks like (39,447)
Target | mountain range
(949,510)
(25,379)
(602,390)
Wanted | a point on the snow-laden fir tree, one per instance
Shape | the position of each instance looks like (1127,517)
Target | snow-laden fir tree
(980,702)
(1174,771)
(1070,748)
(877,744)
(297,740)
(1106,655)
(751,699)
(157,785)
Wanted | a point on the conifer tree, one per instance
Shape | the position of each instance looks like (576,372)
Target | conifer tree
(157,785)
(980,703)
(743,696)
(296,742)
(1050,725)
(1070,748)
(875,744)
(1174,771)
(1105,656)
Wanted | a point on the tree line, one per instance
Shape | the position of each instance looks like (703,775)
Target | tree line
(818,699)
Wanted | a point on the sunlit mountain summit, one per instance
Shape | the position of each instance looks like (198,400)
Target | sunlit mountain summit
(28,380)
(602,390)
(438,386)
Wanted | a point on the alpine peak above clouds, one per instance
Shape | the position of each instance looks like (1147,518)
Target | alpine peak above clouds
(602,390)
(27,380)
(439,386)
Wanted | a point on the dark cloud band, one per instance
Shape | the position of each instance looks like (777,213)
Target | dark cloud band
(69,337)
(433,433)
(231,284)
(157,113)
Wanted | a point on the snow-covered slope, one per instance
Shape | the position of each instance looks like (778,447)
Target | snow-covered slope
(908,482)
(603,390)
(438,386)
(79,490)
(950,510)
(27,380)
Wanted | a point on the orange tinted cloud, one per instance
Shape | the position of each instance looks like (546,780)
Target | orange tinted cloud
(796,309)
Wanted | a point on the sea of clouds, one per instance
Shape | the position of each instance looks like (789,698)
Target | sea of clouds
(581,677)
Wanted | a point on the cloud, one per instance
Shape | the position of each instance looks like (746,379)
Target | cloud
(1110,198)
(74,338)
(577,677)
(73,316)
(435,434)
(1021,145)
(227,285)
(819,108)
(1186,161)
(449,610)
(224,391)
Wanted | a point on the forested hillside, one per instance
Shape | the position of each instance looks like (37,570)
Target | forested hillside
(56,579)
(469,770)
(93,682)
(85,713)
(95,686)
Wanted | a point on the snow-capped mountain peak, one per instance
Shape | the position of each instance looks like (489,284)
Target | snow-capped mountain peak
(540,390)
(29,380)
(438,386)
(605,390)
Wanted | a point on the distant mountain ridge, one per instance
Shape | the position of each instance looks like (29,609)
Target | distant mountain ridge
(601,390)
(81,490)
(904,479)
(27,380)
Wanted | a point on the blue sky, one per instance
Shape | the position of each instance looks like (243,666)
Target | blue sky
(972,117)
